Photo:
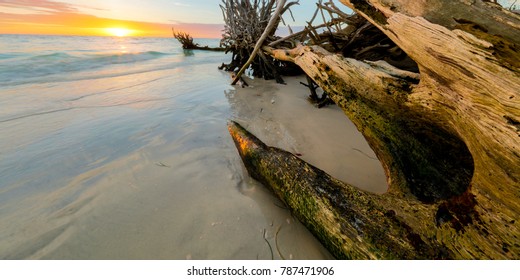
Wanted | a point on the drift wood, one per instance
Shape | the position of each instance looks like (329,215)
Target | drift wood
(351,223)
(187,42)
(447,137)
(273,23)
(247,24)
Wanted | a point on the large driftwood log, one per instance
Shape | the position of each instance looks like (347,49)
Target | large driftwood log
(449,142)
(351,223)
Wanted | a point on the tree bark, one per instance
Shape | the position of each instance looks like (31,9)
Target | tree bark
(351,223)
(449,142)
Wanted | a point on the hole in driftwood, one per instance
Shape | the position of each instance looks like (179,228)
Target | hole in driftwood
(437,165)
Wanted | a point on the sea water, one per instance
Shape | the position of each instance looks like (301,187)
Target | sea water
(117,148)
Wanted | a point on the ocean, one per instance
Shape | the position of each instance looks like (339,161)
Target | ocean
(117,148)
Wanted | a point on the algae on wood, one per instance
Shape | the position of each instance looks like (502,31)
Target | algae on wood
(351,223)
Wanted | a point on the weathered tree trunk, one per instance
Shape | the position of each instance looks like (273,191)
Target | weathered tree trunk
(449,142)
(351,223)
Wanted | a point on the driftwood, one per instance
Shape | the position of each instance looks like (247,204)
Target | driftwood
(447,138)
(319,101)
(269,30)
(345,219)
(353,36)
(246,21)
(187,42)
(350,35)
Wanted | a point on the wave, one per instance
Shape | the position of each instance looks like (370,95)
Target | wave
(126,57)
(8,55)
(57,75)
(104,57)
(15,70)
(51,56)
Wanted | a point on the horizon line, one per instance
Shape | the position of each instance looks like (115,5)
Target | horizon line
(107,36)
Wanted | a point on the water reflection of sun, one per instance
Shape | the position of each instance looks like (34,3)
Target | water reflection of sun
(118,31)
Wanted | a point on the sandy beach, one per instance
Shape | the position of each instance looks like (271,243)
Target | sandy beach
(123,136)
(281,116)
(128,156)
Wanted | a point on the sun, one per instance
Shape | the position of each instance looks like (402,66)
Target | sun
(118,31)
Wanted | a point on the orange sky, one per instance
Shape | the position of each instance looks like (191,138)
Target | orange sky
(78,24)
(50,17)
(200,18)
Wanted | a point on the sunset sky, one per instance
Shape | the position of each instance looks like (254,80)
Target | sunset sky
(200,18)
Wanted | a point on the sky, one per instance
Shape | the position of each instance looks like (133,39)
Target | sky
(200,18)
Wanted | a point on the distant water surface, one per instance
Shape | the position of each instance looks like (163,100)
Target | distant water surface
(117,148)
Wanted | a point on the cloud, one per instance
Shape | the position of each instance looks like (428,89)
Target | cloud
(181,4)
(44,6)
(200,30)
(40,5)
(52,17)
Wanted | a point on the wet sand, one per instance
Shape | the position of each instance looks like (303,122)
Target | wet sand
(99,177)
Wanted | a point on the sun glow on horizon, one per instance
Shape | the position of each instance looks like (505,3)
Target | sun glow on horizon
(119,31)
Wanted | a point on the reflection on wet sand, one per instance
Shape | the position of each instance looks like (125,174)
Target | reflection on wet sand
(111,180)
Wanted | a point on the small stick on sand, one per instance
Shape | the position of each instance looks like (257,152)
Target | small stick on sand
(270,248)
(276,242)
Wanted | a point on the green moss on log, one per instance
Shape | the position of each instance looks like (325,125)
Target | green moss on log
(429,162)
(351,223)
